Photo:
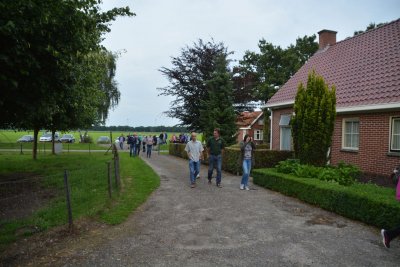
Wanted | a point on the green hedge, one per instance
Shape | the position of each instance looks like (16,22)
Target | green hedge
(264,158)
(368,203)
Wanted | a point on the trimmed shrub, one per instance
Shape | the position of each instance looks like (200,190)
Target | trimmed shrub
(368,203)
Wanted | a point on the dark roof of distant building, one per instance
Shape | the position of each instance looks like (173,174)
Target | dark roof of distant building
(247,119)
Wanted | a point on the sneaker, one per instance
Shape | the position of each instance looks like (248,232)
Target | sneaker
(193,185)
(247,188)
(385,239)
(219,185)
(198,176)
(241,186)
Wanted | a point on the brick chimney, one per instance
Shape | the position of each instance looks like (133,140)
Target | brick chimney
(326,37)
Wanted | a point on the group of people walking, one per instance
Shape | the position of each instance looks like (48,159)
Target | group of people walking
(215,147)
(135,143)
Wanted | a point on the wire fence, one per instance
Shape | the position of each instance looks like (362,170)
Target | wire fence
(62,196)
(44,148)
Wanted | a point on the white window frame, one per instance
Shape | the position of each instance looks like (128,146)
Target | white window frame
(344,133)
(391,134)
(258,132)
(280,133)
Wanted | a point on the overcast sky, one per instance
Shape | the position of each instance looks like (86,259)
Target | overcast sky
(161,28)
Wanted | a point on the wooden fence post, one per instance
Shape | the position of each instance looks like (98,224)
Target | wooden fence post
(116,166)
(109,178)
(67,191)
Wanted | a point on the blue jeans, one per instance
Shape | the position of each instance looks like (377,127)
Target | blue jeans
(132,150)
(149,147)
(194,168)
(246,171)
(215,161)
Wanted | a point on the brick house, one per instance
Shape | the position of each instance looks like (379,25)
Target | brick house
(250,123)
(366,72)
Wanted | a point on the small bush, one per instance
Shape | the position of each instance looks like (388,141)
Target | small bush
(307,171)
(288,166)
(344,174)
(327,174)
(87,139)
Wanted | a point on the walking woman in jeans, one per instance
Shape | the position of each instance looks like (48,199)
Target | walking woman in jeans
(149,144)
(247,149)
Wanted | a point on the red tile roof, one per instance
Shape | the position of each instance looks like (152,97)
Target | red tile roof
(246,119)
(365,69)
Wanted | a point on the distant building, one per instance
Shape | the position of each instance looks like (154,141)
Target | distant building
(250,123)
(366,72)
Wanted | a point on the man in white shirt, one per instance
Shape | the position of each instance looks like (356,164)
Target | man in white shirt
(194,150)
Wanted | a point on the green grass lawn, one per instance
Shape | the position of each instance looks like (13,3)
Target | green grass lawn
(88,183)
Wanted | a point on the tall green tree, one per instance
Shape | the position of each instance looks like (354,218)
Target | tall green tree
(273,65)
(43,43)
(314,119)
(191,69)
(217,110)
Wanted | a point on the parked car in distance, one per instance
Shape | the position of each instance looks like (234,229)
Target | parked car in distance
(26,138)
(67,138)
(47,137)
(103,140)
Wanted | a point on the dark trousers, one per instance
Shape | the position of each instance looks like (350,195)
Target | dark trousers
(149,148)
(215,161)
(393,233)
(137,149)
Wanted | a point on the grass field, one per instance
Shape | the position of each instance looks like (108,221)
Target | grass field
(8,140)
(88,183)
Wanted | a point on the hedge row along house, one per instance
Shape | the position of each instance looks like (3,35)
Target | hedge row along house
(366,72)
(250,123)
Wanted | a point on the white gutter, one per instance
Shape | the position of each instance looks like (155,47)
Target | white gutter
(254,121)
(344,109)
(270,129)
(368,108)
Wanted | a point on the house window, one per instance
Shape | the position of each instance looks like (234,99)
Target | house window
(286,132)
(258,135)
(350,136)
(395,135)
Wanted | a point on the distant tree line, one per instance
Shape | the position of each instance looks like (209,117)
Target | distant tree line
(121,128)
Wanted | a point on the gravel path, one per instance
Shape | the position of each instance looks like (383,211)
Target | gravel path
(210,226)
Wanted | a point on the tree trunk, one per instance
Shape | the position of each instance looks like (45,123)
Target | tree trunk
(35,143)
(53,152)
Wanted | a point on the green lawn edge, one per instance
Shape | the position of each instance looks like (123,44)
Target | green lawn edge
(139,181)
(89,195)
(367,203)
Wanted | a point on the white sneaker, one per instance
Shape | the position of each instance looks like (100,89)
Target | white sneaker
(247,188)
(241,186)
